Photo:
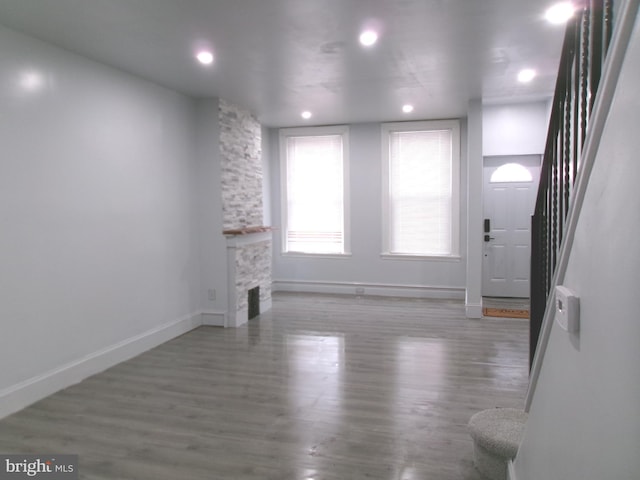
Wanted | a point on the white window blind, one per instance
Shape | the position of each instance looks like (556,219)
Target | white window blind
(315,206)
(422,192)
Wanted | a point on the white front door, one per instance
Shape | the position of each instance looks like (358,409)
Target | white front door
(510,188)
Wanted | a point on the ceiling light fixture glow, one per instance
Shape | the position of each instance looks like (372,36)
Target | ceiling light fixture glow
(526,75)
(407,108)
(306,114)
(205,58)
(368,38)
(559,13)
(31,81)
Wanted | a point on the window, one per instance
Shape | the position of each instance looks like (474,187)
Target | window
(421,180)
(314,165)
(511,172)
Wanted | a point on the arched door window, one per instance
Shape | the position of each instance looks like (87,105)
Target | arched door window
(511,172)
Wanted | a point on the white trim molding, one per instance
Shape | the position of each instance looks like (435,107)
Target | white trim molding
(377,289)
(421,258)
(284,135)
(511,470)
(387,130)
(23,394)
(473,310)
(214,319)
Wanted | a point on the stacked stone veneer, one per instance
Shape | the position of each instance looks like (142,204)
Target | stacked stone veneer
(253,268)
(241,162)
(241,178)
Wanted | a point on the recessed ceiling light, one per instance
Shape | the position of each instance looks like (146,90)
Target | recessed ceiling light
(31,81)
(368,38)
(407,108)
(526,75)
(205,58)
(306,114)
(559,13)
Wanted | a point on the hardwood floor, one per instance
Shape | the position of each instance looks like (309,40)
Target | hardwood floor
(321,387)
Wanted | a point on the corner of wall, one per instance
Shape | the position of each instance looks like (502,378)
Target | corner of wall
(212,243)
(474,210)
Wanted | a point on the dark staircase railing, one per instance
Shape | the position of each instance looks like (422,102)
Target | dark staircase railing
(584,50)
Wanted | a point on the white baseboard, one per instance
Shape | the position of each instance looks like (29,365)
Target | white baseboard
(23,394)
(473,310)
(511,470)
(349,288)
(214,319)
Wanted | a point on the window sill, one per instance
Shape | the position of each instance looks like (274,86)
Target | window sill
(423,258)
(338,256)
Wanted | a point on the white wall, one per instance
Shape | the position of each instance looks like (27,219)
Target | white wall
(98,211)
(518,129)
(473,295)
(365,266)
(213,247)
(584,421)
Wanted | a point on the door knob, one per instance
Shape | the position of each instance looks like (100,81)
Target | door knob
(487,238)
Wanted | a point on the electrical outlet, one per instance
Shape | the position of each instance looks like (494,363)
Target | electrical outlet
(212,294)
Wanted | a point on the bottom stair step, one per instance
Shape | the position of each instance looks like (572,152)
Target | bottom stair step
(496,437)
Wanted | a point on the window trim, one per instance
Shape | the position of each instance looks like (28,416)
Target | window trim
(425,125)
(342,130)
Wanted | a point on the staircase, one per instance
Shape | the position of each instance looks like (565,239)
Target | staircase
(497,432)
(584,51)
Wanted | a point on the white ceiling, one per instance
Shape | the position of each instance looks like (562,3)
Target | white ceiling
(279,57)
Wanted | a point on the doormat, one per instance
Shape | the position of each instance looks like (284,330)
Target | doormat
(505,312)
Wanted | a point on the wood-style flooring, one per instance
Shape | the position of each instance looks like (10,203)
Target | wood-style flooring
(321,387)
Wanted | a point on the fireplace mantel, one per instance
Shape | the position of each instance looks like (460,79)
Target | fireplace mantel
(234,232)
(234,241)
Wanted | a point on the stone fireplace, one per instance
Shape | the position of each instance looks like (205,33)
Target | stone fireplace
(248,240)
(248,267)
